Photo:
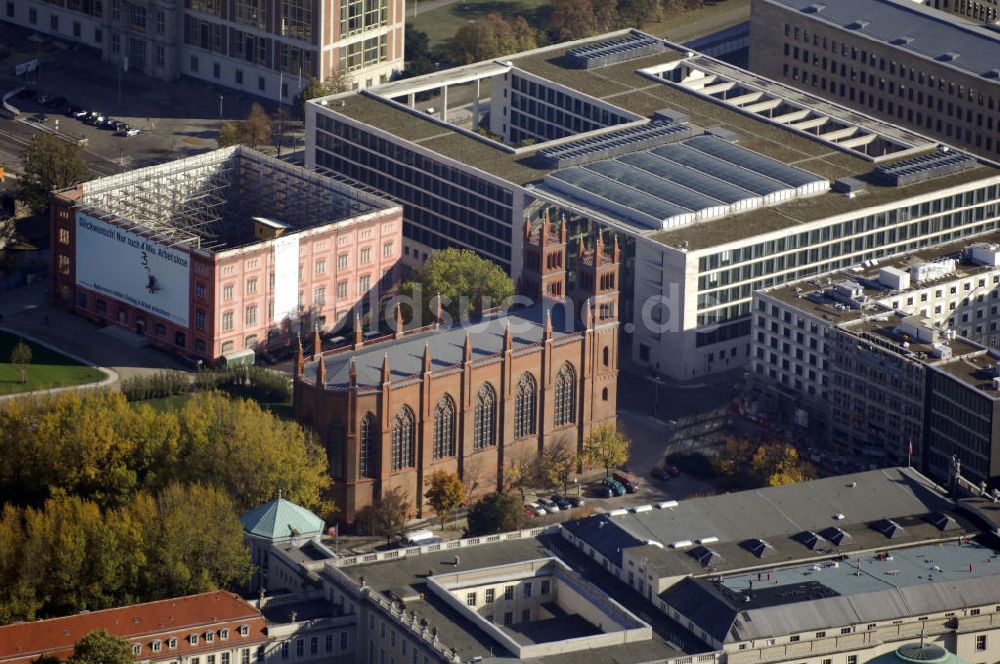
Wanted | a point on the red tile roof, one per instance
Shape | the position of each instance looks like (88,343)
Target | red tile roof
(141,624)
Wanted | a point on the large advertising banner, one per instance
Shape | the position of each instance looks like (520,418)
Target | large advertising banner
(286,277)
(133,269)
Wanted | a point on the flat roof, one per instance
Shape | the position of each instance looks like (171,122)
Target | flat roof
(626,87)
(407,576)
(976,371)
(910,27)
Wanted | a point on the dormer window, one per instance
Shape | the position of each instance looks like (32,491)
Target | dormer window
(156,645)
(136,649)
(193,639)
(209,637)
(224,634)
(244,630)
(172,643)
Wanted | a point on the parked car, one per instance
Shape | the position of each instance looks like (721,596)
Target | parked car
(604,491)
(107,123)
(93,118)
(576,501)
(615,486)
(627,480)
(529,513)
(660,473)
(671,469)
(44,100)
(537,509)
(40,118)
(130,131)
(549,506)
(72,111)
(562,502)
(58,102)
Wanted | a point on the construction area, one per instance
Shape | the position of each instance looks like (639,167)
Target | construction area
(210,201)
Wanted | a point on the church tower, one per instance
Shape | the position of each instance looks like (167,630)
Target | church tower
(544,274)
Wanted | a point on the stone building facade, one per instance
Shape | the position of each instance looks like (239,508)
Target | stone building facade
(474,397)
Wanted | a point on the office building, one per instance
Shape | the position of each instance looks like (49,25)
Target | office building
(894,59)
(718,182)
(222,252)
(472,397)
(882,364)
(267,48)
(981,11)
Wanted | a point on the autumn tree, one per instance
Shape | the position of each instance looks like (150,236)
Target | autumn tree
(558,464)
(256,129)
(49,164)
(99,647)
(574,19)
(745,464)
(491,37)
(460,277)
(445,494)
(495,513)
(229,134)
(387,516)
(521,470)
(20,357)
(315,88)
(608,447)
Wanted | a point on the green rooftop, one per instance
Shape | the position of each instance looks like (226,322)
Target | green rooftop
(281,519)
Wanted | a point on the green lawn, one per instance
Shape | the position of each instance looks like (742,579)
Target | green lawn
(442,24)
(48,369)
(278,409)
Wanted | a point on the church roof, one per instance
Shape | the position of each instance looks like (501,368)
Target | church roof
(281,519)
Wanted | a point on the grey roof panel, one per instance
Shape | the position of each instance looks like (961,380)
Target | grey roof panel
(668,170)
(654,186)
(721,169)
(930,34)
(734,154)
(617,193)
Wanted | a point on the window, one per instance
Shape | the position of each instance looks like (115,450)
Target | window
(444,428)
(565,405)
(284,650)
(136,649)
(320,266)
(227,292)
(245,656)
(470,599)
(545,586)
(526,590)
(490,595)
(387,249)
(981,642)
(343,640)
(508,592)
(367,439)
(485,423)
(63,236)
(364,283)
(193,639)
(328,646)
(54,22)
(342,262)
(251,315)
(10,10)
(209,637)
(156,645)
(524,406)
(402,439)
(252,285)
(244,630)
(341,290)
(224,658)
(300,648)
(366,256)
(852,659)
(161,22)
(194,63)
(116,40)
(227,321)
(314,645)
(261,83)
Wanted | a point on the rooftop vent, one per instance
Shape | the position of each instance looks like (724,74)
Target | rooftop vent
(860,24)
(725,134)
(814,8)
(849,187)
(950,56)
(810,539)
(614,143)
(922,168)
(943,522)
(670,115)
(902,41)
(667,504)
(602,54)
(708,540)
(835,535)
(992,73)
(681,544)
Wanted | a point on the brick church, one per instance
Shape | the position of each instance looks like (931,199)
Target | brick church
(464,399)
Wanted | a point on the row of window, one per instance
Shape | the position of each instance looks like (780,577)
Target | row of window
(527,588)
(402,450)
(156,645)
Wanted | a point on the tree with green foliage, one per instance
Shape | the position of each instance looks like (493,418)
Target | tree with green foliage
(229,134)
(20,357)
(445,494)
(495,513)
(315,88)
(491,37)
(99,647)
(521,469)
(574,19)
(387,516)
(460,277)
(608,447)
(50,164)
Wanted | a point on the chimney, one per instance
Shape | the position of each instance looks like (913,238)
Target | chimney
(467,351)
(427,358)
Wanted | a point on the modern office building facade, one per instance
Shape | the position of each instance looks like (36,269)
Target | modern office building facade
(893,59)
(874,361)
(222,252)
(704,216)
(981,11)
(267,48)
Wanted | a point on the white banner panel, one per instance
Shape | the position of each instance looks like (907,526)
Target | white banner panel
(286,277)
(128,267)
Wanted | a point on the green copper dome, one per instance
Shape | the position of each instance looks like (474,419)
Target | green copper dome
(281,519)
(918,653)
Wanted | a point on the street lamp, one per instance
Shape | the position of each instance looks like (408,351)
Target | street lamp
(220,107)
(576,482)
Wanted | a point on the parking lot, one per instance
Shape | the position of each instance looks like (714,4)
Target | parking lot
(175,119)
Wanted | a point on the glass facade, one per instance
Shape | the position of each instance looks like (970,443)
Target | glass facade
(541,113)
(444,205)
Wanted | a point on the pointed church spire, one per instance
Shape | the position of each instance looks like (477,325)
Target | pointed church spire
(300,360)
(508,338)
(427,358)
(548,325)
(352,374)
(581,249)
(321,372)
(616,252)
(386,374)
(467,350)
(317,341)
(437,310)
(588,315)
(399,322)
(359,335)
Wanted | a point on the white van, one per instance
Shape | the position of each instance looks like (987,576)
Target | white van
(420,538)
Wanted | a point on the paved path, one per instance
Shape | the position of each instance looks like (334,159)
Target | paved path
(26,311)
